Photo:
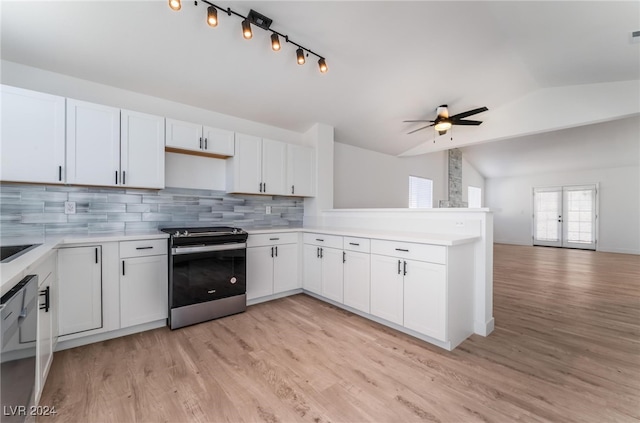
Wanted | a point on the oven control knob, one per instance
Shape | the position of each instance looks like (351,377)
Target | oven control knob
(185,233)
(177,234)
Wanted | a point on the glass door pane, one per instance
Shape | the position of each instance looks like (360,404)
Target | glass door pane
(547,216)
(579,217)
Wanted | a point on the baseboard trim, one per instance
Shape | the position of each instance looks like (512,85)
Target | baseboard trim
(99,337)
(484,328)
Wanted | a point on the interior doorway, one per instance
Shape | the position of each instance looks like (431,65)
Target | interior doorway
(565,216)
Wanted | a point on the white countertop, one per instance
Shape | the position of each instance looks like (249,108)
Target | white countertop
(13,271)
(423,238)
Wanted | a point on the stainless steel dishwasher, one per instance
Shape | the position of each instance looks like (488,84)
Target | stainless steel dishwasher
(18,325)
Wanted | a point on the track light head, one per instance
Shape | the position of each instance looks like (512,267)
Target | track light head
(275,42)
(175,4)
(212,16)
(322,64)
(246,29)
(300,56)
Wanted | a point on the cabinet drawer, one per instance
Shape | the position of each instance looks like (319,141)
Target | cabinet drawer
(143,247)
(357,244)
(261,240)
(410,250)
(323,240)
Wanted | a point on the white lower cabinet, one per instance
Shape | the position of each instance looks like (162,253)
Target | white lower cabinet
(357,271)
(143,282)
(323,265)
(312,280)
(272,264)
(332,273)
(47,329)
(425,299)
(387,288)
(80,289)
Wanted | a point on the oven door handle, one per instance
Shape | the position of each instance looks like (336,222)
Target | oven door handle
(176,251)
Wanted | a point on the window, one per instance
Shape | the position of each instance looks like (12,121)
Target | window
(420,193)
(474,195)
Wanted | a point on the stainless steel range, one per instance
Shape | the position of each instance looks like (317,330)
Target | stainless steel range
(207,274)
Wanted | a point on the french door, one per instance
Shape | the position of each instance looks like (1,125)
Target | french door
(565,216)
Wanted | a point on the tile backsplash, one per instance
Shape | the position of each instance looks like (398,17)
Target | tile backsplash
(29,213)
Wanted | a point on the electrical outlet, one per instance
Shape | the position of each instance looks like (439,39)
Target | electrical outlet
(459,223)
(69,207)
(268,211)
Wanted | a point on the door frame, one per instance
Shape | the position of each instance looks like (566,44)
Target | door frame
(563,228)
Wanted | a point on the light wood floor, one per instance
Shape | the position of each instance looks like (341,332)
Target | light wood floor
(566,348)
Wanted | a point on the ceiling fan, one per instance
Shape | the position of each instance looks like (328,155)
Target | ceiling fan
(443,121)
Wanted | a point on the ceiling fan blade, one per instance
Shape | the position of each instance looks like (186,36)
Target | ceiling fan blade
(418,121)
(420,129)
(468,113)
(466,122)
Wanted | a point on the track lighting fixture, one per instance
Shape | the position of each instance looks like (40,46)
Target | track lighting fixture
(300,56)
(260,21)
(275,42)
(246,29)
(212,16)
(322,64)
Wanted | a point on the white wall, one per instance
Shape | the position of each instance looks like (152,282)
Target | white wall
(471,177)
(619,224)
(368,179)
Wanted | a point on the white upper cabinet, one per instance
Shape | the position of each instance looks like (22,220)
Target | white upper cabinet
(33,138)
(191,137)
(300,171)
(274,159)
(93,144)
(142,150)
(258,166)
(110,147)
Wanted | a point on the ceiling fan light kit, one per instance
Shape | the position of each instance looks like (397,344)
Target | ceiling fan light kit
(261,21)
(443,121)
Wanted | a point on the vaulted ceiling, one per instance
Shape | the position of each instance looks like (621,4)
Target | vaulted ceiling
(538,66)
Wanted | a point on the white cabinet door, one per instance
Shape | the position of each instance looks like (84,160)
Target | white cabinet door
(93,144)
(312,263)
(332,273)
(142,150)
(44,343)
(425,298)
(387,297)
(80,289)
(33,138)
(300,171)
(219,141)
(259,272)
(143,290)
(184,135)
(245,167)
(274,168)
(357,282)
(285,269)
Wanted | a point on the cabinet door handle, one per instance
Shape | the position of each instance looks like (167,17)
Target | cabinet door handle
(205,144)
(116,177)
(264,187)
(399,267)
(260,188)
(200,143)
(59,173)
(318,252)
(320,240)
(405,268)
(272,252)
(122,267)
(96,255)
(344,256)
(293,189)
(274,239)
(321,252)
(144,248)
(276,251)
(354,243)
(124,175)
(402,249)
(47,296)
